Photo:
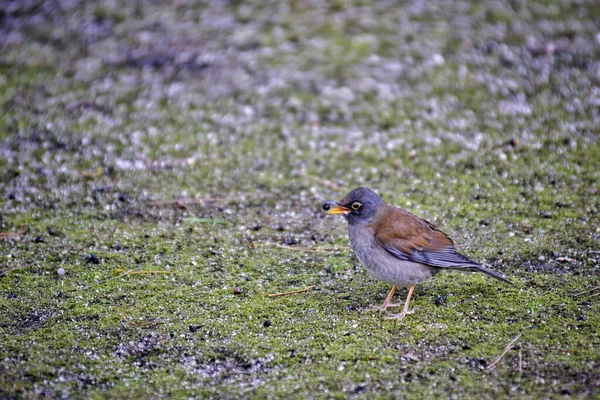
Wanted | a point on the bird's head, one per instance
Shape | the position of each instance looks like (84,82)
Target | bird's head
(359,206)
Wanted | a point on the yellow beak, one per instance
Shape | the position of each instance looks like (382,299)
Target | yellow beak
(332,207)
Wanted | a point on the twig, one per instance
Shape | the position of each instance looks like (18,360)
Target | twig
(587,291)
(410,357)
(292,292)
(307,249)
(139,325)
(506,349)
(13,269)
(4,235)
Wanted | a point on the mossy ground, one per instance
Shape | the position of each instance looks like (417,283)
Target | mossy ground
(482,118)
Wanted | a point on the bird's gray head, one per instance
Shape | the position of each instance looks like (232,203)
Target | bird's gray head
(359,206)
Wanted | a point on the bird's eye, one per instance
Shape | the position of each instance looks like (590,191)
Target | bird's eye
(356,205)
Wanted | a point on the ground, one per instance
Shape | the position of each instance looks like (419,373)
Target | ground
(163,165)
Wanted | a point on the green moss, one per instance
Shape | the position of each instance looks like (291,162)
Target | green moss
(231,132)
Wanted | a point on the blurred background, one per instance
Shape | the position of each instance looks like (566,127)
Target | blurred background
(198,136)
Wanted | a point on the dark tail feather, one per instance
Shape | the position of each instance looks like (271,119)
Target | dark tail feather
(491,273)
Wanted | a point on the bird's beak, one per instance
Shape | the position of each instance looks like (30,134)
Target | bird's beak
(334,208)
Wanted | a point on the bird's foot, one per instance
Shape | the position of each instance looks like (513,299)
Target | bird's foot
(381,308)
(400,316)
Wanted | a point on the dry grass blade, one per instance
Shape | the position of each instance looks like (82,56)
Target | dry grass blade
(4,235)
(143,271)
(587,291)
(13,269)
(138,325)
(506,350)
(194,200)
(292,292)
(123,273)
(330,250)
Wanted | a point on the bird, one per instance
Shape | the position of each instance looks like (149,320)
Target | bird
(396,246)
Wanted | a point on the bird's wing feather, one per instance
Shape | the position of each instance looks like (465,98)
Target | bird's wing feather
(415,239)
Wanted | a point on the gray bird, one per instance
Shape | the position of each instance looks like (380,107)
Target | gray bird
(398,247)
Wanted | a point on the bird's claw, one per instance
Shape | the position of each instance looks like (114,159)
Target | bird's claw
(381,308)
(400,316)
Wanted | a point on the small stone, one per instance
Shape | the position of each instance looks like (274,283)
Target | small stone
(541,258)
(237,290)
(61,271)
(267,323)
(39,239)
(546,214)
(440,300)
(91,258)
(438,59)
(507,57)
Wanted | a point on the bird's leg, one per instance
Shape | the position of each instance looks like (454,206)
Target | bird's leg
(386,303)
(405,310)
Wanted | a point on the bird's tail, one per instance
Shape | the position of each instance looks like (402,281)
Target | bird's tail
(481,268)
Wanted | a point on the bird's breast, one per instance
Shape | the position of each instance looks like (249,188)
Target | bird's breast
(383,265)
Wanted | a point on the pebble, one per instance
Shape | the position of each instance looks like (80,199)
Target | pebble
(237,290)
(267,323)
(61,271)
(92,258)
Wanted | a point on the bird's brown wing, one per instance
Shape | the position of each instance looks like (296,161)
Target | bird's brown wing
(407,233)
(408,237)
